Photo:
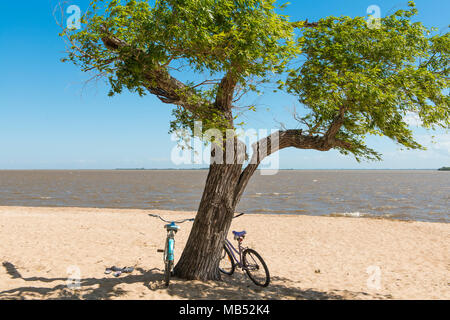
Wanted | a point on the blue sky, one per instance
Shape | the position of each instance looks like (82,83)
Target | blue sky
(49,118)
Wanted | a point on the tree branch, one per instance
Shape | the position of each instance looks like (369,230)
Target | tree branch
(335,126)
(224,97)
(304,24)
(281,140)
(159,82)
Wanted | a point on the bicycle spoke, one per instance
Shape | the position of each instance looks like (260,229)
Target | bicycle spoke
(256,268)
(226,264)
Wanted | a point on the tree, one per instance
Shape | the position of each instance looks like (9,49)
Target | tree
(354,80)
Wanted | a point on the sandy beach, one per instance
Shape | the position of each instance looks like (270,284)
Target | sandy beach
(308,257)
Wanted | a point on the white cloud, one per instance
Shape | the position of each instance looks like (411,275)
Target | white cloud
(442,145)
(412,119)
(439,143)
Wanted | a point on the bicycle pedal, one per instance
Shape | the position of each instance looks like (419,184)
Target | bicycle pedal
(160,250)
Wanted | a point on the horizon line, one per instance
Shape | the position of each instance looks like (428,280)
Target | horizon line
(194,169)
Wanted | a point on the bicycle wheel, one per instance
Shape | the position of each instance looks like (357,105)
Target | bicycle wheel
(167,272)
(226,264)
(168,260)
(256,268)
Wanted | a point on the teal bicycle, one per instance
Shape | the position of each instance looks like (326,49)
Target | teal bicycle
(168,256)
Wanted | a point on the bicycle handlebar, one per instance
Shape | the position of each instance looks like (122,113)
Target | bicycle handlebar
(180,221)
(184,220)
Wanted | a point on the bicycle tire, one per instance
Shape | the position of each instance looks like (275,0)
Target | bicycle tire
(168,260)
(167,272)
(251,252)
(228,258)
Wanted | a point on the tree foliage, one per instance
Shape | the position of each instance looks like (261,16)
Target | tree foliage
(216,37)
(376,75)
(353,80)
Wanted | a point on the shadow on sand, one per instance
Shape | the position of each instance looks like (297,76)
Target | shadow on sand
(236,287)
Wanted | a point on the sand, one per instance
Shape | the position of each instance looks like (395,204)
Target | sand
(308,257)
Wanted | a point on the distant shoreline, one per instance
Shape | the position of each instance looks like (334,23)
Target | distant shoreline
(205,169)
(193,169)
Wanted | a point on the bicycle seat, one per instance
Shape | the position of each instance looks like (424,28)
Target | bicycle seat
(239,234)
(172,227)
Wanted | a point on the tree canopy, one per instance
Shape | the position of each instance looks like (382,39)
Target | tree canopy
(353,80)
(373,77)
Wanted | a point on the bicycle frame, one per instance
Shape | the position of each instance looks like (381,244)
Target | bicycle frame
(170,246)
(238,251)
(171,228)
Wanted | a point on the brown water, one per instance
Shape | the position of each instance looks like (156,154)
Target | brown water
(397,194)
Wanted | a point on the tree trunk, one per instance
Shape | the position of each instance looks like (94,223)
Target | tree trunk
(200,258)
(224,187)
